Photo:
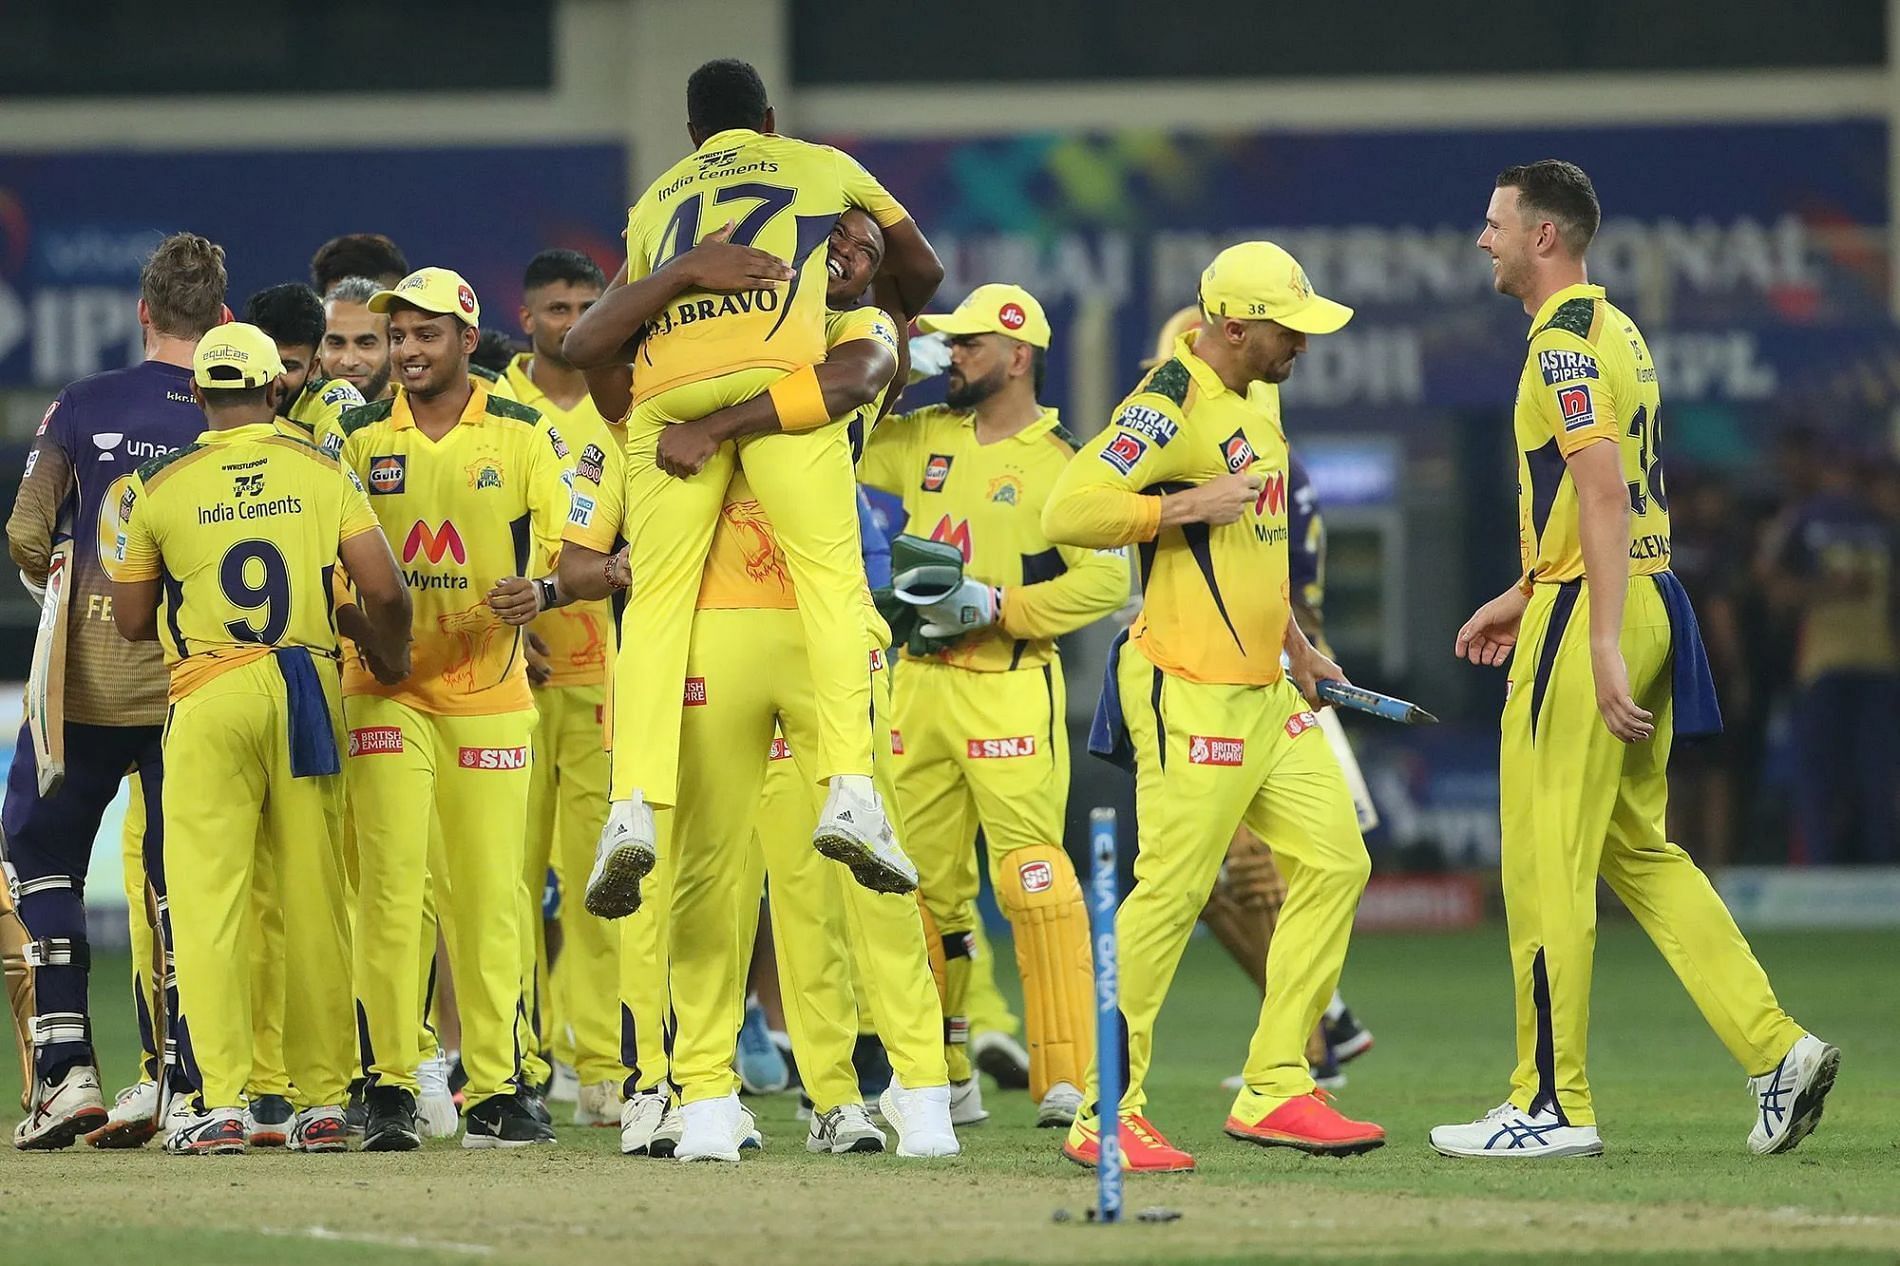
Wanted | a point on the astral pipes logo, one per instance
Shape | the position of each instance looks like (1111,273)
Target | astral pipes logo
(434,543)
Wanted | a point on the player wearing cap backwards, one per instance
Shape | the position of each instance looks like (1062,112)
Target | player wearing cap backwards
(1607,666)
(708,349)
(746,663)
(984,738)
(473,488)
(567,799)
(233,540)
(1193,469)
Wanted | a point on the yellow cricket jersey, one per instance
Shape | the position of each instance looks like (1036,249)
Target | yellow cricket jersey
(319,407)
(781,195)
(580,635)
(241,528)
(1216,598)
(1588,377)
(484,502)
(987,500)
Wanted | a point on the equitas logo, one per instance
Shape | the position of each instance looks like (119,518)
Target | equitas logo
(434,544)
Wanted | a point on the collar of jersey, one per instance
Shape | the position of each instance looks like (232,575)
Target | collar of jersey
(522,381)
(1199,370)
(237,434)
(721,139)
(400,418)
(1582,290)
(1045,422)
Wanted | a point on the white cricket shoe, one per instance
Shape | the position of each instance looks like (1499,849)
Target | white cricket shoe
(180,1111)
(846,1128)
(854,831)
(598,1104)
(715,1130)
(1510,1132)
(966,1103)
(61,1111)
(1059,1106)
(436,1114)
(666,1138)
(133,1118)
(626,855)
(1788,1098)
(922,1118)
(219,1132)
(641,1116)
(320,1129)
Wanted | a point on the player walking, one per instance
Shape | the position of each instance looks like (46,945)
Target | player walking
(241,530)
(473,488)
(1193,468)
(985,741)
(1607,667)
(89,444)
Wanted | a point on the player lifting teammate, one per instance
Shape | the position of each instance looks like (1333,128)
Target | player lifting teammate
(707,350)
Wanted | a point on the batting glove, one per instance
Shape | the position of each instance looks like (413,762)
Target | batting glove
(971,605)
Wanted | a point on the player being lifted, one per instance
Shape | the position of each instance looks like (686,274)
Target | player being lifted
(233,541)
(1607,667)
(707,350)
(472,486)
(1193,467)
(985,743)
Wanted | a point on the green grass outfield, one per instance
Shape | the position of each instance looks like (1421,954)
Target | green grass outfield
(1677,1185)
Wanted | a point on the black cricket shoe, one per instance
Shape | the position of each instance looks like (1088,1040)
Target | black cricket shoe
(268,1121)
(356,1111)
(1346,1037)
(392,1121)
(504,1121)
(535,1100)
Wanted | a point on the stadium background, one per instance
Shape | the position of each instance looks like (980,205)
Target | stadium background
(1099,154)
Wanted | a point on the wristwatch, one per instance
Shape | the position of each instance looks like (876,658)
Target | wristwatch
(545,591)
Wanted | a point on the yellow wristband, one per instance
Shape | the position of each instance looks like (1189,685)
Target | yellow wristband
(799,401)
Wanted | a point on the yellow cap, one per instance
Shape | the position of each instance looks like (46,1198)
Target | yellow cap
(994,309)
(437,290)
(1188,318)
(235,355)
(1257,281)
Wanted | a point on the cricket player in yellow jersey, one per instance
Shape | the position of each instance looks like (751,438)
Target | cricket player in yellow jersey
(232,541)
(1193,468)
(567,798)
(746,635)
(1607,666)
(706,350)
(983,721)
(473,488)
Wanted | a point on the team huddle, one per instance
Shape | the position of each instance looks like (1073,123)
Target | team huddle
(473,709)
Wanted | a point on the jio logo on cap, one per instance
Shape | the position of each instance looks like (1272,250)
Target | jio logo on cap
(465,297)
(1011,315)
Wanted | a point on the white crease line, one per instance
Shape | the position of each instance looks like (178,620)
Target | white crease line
(387,1241)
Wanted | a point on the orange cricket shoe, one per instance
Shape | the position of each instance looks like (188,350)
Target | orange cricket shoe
(1309,1123)
(1144,1151)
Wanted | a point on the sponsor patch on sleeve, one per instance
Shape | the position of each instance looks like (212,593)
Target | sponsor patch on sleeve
(592,464)
(581,510)
(1576,406)
(1124,451)
(560,445)
(1152,423)
(1558,365)
(341,392)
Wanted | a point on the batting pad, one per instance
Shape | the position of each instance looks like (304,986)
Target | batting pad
(1038,891)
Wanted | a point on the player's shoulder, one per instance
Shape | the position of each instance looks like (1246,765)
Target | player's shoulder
(1157,408)
(154,471)
(1580,318)
(363,415)
(932,419)
(298,447)
(334,393)
(868,322)
(512,410)
(1060,438)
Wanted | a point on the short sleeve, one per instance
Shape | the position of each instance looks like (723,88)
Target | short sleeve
(356,518)
(887,454)
(594,504)
(862,190)
(1569,392)
(134,553)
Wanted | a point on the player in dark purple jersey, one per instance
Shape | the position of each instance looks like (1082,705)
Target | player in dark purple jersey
(95,435)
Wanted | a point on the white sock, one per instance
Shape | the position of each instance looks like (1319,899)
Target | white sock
(859,785)
(1335,1008)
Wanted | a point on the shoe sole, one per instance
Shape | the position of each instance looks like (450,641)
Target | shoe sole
(1352,1048)
(1053,1120)
(1573,1151)
(865,1146)
(83,1122)
(485,1142)
(1086,1163)
(1001,1067)
(392,1141)
(1312,1147)
(724,1158)
(1809,1101)
(616,893)
(865,866)
(324,1148)
(267,1138)
(125,1134)
(209,1149)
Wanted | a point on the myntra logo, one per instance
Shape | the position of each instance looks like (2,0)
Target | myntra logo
(957,534)
(1271,500)
(434,543)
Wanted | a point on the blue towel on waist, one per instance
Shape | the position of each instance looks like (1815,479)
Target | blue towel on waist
(1692,684)
(312,741)
(1108,733)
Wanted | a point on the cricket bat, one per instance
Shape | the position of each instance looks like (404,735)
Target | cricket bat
(46,679)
